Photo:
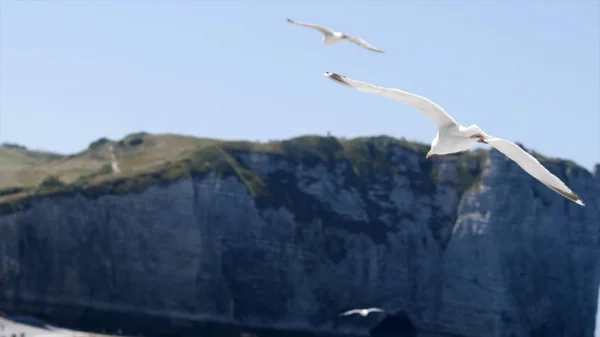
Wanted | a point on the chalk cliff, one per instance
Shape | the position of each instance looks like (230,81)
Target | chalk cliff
(289,234)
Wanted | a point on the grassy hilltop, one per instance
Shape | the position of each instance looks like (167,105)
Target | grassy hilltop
(146,159)
(25,168)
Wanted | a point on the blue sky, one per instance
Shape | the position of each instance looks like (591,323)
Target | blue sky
(75,71)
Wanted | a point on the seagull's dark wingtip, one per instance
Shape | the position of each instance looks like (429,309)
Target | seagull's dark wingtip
(337,78)
(569,195)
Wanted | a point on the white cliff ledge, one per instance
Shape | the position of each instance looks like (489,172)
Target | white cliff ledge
(29,327)
(468,245)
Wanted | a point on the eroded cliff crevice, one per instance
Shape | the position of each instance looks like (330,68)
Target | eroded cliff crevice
(467,245)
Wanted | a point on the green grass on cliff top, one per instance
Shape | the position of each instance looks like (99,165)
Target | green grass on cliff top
(147,159)
(20,167)
(17,164)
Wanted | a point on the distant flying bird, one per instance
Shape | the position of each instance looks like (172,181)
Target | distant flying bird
(362,312)
(330,37)
(452,137)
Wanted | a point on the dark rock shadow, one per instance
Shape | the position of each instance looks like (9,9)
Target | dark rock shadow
(395,325)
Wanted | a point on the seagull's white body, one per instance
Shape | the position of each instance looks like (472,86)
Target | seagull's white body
(362,312)
(331,37)
(452,137)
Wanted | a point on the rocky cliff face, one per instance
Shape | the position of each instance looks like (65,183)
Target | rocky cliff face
(464,246)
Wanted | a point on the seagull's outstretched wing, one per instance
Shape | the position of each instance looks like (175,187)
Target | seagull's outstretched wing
(322,29)
(363,43)
(433,111)
(375,310)
(350,312)
(533,167)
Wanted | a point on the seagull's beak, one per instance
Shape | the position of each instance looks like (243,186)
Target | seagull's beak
(429,154)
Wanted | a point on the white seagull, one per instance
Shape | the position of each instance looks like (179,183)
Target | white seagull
(362,312)
(330,37)
(452,137)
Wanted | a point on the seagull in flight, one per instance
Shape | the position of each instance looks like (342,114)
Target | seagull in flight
(330,37)
(362,312)
(452,137)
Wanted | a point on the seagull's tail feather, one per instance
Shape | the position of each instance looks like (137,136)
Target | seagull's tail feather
(337,78)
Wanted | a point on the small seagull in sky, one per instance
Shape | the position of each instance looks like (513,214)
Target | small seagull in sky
(330,37)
